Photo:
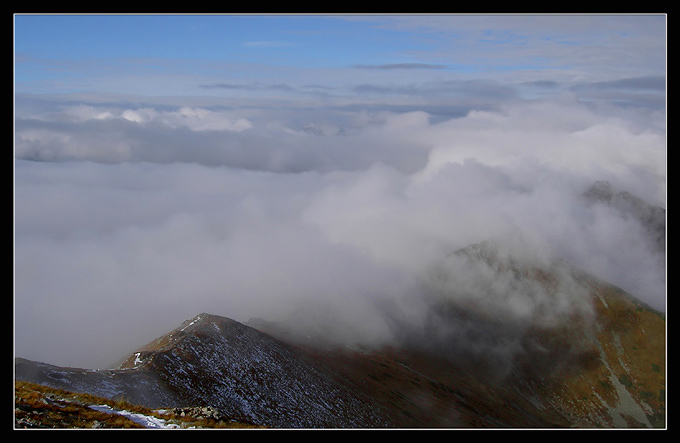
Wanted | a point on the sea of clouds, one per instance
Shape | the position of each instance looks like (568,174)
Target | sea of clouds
(131,218)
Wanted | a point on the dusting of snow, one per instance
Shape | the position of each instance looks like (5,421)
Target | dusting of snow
(250,376)
(195,320)
(147,421)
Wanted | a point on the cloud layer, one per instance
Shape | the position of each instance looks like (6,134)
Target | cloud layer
(130,219)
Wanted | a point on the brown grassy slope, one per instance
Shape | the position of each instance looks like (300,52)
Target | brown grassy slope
(38,406)
(627,388)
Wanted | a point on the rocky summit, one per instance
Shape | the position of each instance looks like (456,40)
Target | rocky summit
(251,376)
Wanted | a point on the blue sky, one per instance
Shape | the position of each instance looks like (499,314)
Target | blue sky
(179,53)
(78,45)
(205,37)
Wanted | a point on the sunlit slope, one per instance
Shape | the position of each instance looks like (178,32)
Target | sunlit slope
(626,386)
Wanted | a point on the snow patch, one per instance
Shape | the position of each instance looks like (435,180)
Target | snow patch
(145,420)
(137,359)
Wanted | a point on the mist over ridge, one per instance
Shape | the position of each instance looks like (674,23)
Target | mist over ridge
(125,225)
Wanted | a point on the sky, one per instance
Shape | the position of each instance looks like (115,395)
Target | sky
(317,167)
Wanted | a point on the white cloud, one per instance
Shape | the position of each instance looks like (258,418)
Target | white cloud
(142,115)
(349,222)
(86,112)
(196,119)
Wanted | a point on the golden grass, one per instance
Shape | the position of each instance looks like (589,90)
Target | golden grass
(43,406)
(54,408)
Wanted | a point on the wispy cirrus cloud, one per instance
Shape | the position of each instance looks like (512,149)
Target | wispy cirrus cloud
(396,66)
(645,83)
(268,44)
(249,87)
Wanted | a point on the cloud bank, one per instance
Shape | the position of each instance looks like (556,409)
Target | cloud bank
(131,219)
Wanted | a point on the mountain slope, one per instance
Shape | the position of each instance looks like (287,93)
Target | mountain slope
(215,361)
(251,376)
(138,387)
(579,353)
(625,385)
(597,361)
(39,406)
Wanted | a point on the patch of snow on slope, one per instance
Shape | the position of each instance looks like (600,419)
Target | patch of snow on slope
(144,420)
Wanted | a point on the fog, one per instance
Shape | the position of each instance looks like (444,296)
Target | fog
(131,219)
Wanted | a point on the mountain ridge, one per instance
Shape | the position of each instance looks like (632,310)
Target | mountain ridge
(271,383)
